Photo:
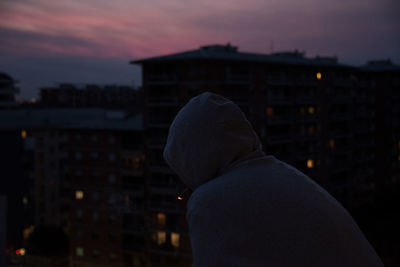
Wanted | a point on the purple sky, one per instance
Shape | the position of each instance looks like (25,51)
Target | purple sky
(43,42)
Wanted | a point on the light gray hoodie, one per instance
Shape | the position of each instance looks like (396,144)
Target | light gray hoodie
(248,209)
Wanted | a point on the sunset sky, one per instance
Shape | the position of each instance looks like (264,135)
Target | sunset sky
(43,42)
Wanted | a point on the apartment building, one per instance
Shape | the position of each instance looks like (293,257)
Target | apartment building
(91,95)
(86,176)
(315,113)
(7,91)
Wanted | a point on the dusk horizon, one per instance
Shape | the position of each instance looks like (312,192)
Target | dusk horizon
(44,43)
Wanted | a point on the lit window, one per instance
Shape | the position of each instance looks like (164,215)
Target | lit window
(332,143)
(161,238)
(270,112)
(79,251)
(79,194)
(28,231)
(311,130)
(311,110)
(136,163)
(175,239)
(23,134)
(25,200)
(319,75)
(161,219)
(310,163)
(112,179)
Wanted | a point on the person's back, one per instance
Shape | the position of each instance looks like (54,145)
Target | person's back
(248,209)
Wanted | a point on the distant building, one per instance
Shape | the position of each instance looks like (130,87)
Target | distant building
(328,119)
(109,96)
(88,178)
(7,91)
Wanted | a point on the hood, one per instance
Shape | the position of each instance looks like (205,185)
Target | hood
(209,136)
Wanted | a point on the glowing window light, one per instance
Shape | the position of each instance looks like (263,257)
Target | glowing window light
(269,111)
(318,75)
(79,251)
(161,238)
(136,163)
(23,134)
(78,194)
(310,163)
(175,239)
(311,110)
(332,143)
(27,231)
(179,198)
(161,218)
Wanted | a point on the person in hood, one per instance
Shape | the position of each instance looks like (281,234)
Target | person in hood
(249,209)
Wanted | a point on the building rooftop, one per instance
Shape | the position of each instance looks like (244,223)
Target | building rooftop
(231,53)
(68,118)
(381,65)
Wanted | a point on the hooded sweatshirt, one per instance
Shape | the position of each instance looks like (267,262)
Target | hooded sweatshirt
(249,209)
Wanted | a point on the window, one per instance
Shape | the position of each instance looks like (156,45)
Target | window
(95,216)
(79,213)
(175,239)
(112,179)
(23,134)
(318,75)
(161,238)
(311,110)
(302,111)
(95,253)
(270,111)
(78,155)
(332,143)
(311,130)
(79,251)
(94,155)
(310,163)
(111,140)
(161,219)
(112,257)
(136,163)
(95,196)
(78,194)
(111,157)
(94,138)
